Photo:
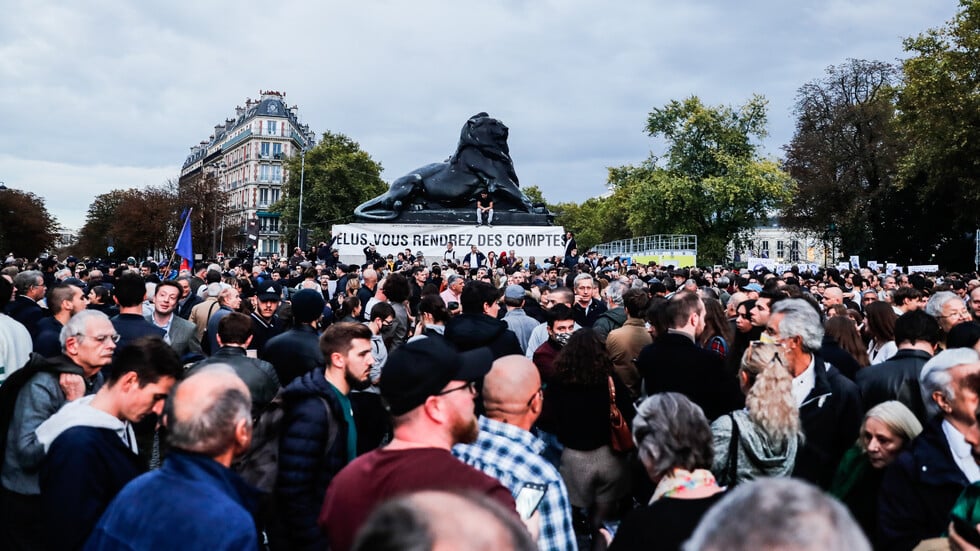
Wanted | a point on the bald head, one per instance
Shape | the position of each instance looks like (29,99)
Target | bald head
(370,277)
(510,391)
(443,520)
(833,295)
(209,412)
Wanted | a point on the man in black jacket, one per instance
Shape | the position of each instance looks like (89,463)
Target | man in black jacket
(234,336)
(675,363)
(916,334)
(830,404)
(297,351)
(318,432)
(587,308)
(24,308)
(478,324)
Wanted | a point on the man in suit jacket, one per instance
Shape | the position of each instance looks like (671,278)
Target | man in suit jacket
(188,299)
(24,308)
(675,363)
(181,334)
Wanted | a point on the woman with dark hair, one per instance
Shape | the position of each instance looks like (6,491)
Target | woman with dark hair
(597,477)
(397,291)
(673,439)
(433,316)
(842,332)
(717,332)
(350,310)
(879,325)
(745,333)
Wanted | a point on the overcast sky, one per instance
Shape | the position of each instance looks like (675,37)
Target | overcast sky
(111,94)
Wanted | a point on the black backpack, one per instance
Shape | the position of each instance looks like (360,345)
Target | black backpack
(11,388)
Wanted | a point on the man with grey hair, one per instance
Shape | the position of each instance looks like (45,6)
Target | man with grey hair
(830,404)
(209,422)
(784,513)
(454,289)
(948,309)
(30,396)
(587,308)
(24,308)
(921,486)
(615,315)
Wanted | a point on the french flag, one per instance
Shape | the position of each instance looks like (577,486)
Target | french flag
(184,247)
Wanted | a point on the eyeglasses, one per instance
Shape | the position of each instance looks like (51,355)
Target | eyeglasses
(958,314)
(101,339)
(470,386)
(387,323)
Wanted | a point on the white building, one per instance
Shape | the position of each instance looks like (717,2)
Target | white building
(246,154)
(782,245)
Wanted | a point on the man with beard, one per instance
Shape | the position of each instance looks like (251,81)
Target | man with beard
(319,436)
(430,389)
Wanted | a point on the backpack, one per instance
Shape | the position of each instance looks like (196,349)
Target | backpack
(259,466)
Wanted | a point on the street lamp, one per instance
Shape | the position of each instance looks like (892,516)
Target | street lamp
(302,174)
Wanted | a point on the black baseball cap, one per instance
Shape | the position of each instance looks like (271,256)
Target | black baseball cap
(422,368)
(269,290)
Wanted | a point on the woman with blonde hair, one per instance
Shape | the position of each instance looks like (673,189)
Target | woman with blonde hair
(762,439)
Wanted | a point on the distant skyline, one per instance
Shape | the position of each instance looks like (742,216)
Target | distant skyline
(113,95)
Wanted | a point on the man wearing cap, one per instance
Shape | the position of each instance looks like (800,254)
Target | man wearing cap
(431,390)
(297,351)
(516,319)
(265,322)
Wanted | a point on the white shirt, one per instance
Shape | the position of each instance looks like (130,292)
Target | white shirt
(804,382)
(962,452)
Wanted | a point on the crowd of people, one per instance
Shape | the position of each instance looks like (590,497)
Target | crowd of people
(484,401)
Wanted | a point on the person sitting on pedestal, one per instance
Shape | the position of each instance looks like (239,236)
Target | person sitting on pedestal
(484,205)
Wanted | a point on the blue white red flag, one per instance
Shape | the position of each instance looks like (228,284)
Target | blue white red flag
(184,247)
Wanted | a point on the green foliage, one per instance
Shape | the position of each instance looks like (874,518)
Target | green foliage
(534,194)
(939,117)
(711,182)
(136,222)
(843,157)
(26,226)
(338,177)
(597,220)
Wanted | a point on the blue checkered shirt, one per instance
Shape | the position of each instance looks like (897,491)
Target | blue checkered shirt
(513,456)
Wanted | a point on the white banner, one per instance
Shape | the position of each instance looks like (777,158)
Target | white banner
(924,269)
(855,262)
(538,241)
(759,263)
(890,267)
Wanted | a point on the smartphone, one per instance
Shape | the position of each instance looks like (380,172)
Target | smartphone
(529,497)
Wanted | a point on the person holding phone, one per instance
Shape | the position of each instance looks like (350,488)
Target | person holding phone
(507,450)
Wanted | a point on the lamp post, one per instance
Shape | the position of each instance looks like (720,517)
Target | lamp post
(302,174)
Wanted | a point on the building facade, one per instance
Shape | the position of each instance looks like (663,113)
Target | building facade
(247,155)
(783,246)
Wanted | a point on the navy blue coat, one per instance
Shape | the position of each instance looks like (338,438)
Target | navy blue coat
(312,449)
(48,340)
(85,467)
(27,312)
(919,491)
(293,353)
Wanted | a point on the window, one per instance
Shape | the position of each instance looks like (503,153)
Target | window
(275,195)
(277,174)
(265,173)
(271,127)
(271,247)
(265,149)
(780,249)
(277,150)
(263,197)
(794,254)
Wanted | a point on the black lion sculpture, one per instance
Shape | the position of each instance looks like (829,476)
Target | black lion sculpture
(482,161)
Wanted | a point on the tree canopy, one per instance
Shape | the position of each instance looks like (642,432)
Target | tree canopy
(339,175)
(26,226)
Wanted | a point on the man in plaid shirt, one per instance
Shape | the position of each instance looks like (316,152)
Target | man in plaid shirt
(507,451)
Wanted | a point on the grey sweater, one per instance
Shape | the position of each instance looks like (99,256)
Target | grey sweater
(759,455)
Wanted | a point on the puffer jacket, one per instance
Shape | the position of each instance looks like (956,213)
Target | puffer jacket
(312,449)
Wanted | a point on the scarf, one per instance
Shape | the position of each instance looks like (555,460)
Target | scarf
(681,480)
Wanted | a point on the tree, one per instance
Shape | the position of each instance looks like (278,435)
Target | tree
(26,226)
(210,214)
(939,117)
(710,182)
(338,177)
(597,220)
(135,222)
(843,157)
(97,232)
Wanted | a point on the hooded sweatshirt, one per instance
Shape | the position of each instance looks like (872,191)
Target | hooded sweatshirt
(81,413)
(759,455)
(471,331)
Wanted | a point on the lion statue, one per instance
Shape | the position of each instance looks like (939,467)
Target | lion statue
(482,161)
